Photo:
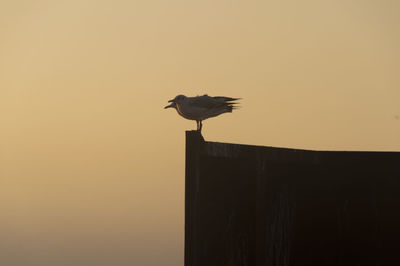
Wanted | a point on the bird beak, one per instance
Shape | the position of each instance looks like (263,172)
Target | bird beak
(172,105)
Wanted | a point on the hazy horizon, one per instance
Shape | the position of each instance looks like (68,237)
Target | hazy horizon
(92,166)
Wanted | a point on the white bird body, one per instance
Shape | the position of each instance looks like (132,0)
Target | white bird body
(200,108)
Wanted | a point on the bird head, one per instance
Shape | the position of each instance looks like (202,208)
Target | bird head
(177,100)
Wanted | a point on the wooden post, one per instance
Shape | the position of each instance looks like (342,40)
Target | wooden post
(194,143)
(264,206)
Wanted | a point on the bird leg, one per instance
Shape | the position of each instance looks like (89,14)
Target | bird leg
(199,125)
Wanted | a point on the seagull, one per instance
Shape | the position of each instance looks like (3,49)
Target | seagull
(200,108)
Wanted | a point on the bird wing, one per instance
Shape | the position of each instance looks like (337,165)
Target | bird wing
(206,101)
(226,99)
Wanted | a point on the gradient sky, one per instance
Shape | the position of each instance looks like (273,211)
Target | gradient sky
(92,166)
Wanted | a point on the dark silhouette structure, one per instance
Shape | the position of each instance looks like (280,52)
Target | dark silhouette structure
(253,205)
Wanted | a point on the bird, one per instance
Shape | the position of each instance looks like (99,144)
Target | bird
(200,108)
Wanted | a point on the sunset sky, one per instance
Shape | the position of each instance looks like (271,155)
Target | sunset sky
(92,166)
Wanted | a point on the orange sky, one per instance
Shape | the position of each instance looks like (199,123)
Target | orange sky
(92,166)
